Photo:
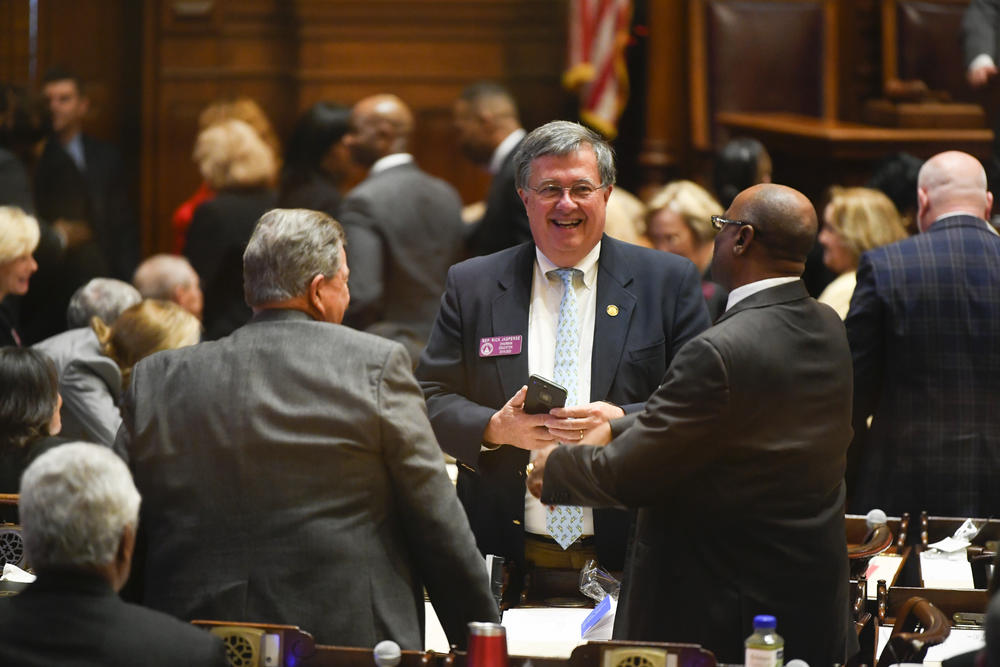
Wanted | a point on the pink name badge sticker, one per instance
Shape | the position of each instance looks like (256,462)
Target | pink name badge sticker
(499,346)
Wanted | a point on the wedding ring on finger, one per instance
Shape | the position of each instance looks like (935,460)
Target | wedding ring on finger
(581,434)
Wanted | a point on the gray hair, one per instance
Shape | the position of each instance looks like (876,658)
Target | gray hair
(289,248)
(105,298)
(157,277)
(561,137)
(76,501)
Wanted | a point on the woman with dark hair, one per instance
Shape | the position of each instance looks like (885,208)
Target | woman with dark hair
(29,411)
(742,162)
(315,159)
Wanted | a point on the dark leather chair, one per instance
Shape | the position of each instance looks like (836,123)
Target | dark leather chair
(734,48)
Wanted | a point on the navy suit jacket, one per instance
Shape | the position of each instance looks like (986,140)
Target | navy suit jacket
(924,328)
(659,308)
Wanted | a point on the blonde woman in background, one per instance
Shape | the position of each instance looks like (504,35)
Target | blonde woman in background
(19,234)
(92,384)
(679,220)
(241,108)
(855,220)
(240,167)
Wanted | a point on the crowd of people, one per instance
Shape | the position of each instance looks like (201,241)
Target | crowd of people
(282,388)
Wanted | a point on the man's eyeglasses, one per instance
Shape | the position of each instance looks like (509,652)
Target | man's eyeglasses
(718,222)
(579,192)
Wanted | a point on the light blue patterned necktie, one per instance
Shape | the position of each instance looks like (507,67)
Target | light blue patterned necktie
(565,523)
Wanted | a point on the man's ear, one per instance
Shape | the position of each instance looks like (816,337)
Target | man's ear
(743,239)
(989,205)
(313,296)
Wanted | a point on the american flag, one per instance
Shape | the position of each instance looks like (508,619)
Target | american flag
(598,33)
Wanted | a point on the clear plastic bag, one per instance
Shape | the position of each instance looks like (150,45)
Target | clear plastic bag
(596,583)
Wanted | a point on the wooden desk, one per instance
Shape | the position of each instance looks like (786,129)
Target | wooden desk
(811,154)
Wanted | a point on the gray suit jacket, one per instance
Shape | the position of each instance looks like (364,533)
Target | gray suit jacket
(90,384)
(737,464)
(979,29)
(289,475)
(404,229)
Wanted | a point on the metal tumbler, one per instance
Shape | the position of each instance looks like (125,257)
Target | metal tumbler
(487,645)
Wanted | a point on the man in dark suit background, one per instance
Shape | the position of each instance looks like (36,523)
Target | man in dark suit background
(79,510)
(404,228)
(489,133)
(737,461)
(289,470)
(923,325)
(500,320)
(80,188)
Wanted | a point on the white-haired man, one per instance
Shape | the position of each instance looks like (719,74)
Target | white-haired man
(171,278)
(290,471)
(79,510)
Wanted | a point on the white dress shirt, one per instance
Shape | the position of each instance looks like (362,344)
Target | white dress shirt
(543,319)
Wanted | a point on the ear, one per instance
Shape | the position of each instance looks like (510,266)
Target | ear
(314,296)
(607,193)
(743,239)
(989,205)
(123,557)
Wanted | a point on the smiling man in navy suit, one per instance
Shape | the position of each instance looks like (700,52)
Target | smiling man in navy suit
(630,310)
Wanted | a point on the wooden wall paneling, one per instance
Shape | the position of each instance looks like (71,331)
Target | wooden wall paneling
(426,53)
(14,46)
(665,144)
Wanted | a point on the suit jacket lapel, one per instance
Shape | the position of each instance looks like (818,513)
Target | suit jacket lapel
(610,331)
(510,317)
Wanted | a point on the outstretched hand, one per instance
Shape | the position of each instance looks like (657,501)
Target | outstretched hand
(583,424)
(536,471)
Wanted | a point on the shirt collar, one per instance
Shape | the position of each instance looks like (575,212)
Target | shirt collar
(390,161)
(990,227)
(743,291)
(501,152)
(588,265)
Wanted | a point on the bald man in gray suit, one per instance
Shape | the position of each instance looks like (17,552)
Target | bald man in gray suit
(404,228)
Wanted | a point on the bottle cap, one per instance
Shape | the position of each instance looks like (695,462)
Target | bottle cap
(765,622)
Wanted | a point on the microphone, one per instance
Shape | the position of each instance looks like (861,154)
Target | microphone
(874,518)
(387,653)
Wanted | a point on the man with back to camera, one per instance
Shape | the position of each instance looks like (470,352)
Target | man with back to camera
(404,228)
(923,326)
(289,470)
(600,317)
(737,462)
(79,510)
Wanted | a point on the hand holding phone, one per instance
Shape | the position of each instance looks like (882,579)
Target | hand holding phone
(543,395)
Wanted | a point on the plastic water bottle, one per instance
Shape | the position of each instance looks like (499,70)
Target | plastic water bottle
(765,647)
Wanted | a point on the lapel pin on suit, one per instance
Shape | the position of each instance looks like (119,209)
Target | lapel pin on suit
(612,310)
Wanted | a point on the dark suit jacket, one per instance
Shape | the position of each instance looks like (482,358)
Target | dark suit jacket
(216,239)
(404,229)
(97,196)
(77,620)
(289,475)
(505,222)
(924,327)
(14,188)
(660,307)
(737,464)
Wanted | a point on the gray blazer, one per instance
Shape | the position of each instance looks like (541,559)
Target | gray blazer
(737,466)
(90,384)
(404,229)
(289,475)
(979,29)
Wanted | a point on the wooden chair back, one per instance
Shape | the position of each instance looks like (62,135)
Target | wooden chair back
(734,52)
(918,626)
